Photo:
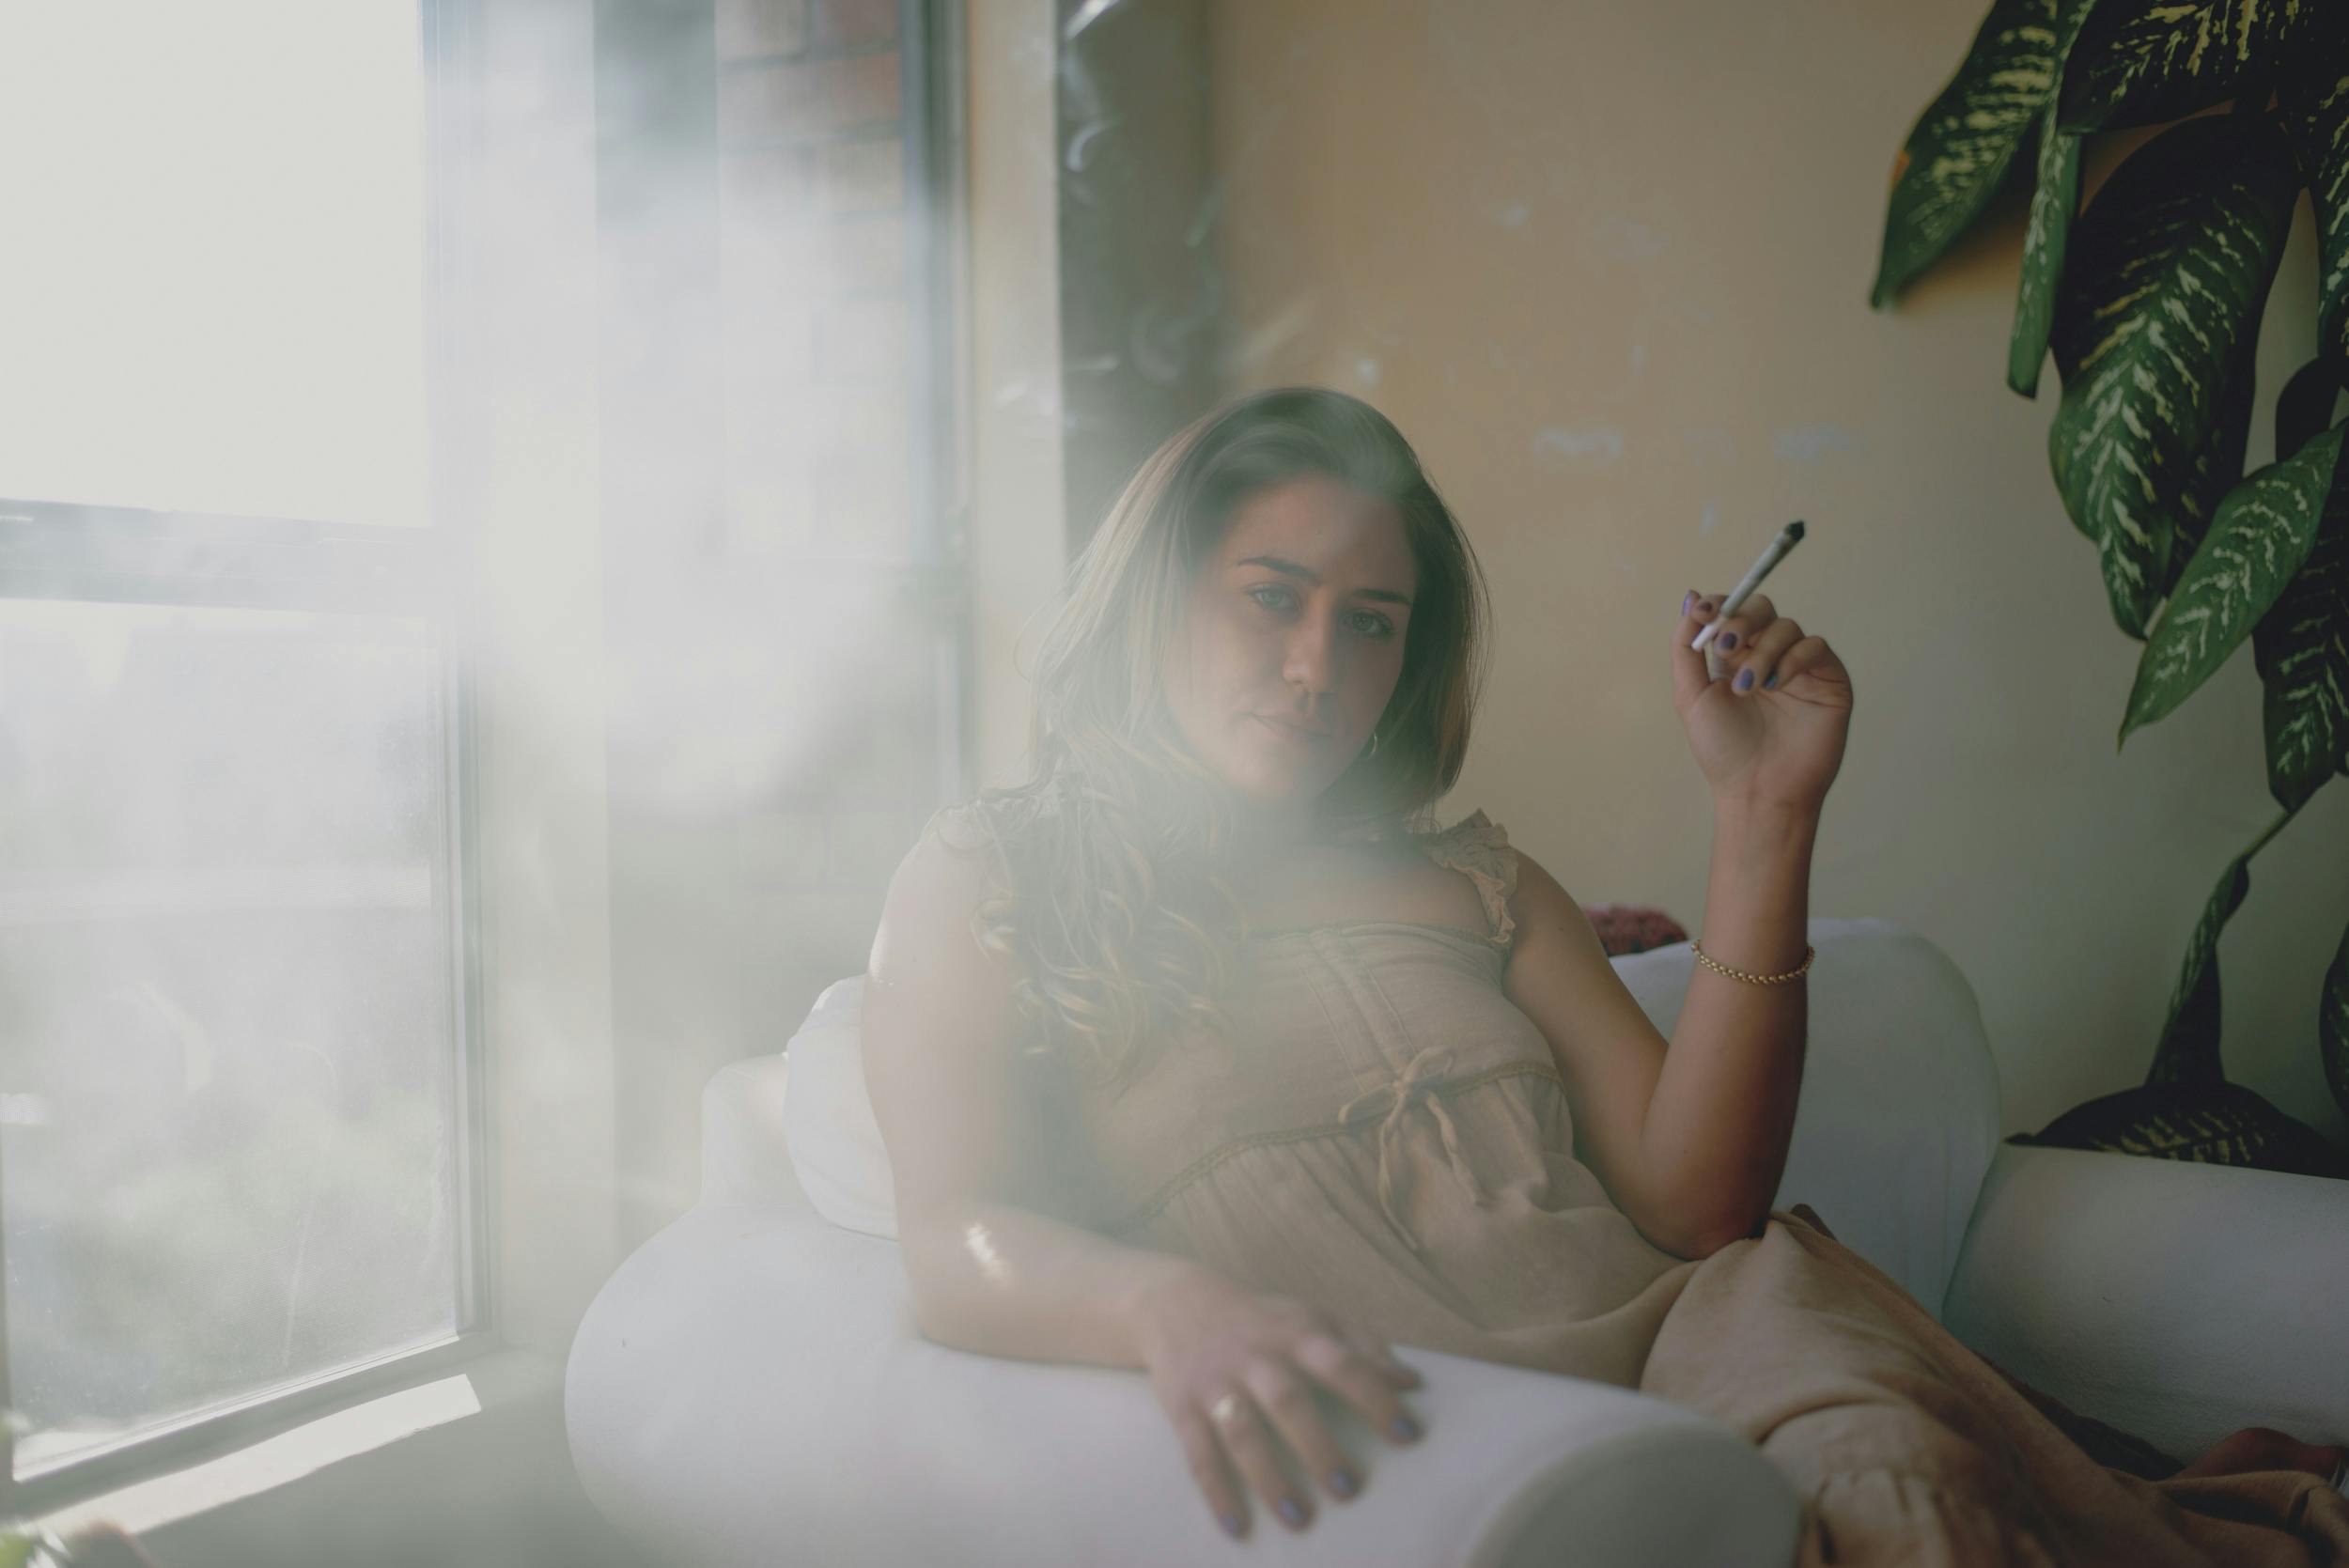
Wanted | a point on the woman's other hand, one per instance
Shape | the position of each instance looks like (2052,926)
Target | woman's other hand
(1769,730)
(1234,1368)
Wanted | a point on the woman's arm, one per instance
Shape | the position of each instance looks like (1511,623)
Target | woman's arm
(1234,1368)
(989,1271)
(1717,1132)
(1689,1138)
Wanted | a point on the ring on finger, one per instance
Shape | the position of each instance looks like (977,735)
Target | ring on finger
(1225,1409)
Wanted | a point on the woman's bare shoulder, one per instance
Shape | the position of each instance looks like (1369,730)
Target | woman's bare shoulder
(1479,848)
(951,860)
(950,873)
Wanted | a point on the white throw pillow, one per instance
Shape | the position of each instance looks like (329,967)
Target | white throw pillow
(835,1144)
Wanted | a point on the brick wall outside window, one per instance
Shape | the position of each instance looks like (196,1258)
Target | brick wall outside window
(819,316)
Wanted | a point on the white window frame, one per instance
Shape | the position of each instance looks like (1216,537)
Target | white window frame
(57,551)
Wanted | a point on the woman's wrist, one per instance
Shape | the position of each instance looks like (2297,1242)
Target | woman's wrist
(1756,845)
(1765,820)
(1757,897)
(1166,1289)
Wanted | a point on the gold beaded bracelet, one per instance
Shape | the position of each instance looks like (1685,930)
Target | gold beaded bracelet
(1809,952)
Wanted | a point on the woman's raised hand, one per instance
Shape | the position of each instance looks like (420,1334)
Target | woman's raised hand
(1235,1367)
(1769,731)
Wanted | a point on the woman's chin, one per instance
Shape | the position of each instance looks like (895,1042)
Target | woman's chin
(1276,773)
(1270,784)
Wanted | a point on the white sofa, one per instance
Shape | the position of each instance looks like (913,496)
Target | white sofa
(750,1387)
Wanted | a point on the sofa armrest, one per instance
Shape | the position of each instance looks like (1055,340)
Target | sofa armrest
(750,1388)
(2174,1301)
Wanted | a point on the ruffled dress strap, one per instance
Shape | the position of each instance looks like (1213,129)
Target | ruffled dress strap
(1479,848)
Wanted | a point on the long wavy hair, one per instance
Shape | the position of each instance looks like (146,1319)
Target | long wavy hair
(1113,904)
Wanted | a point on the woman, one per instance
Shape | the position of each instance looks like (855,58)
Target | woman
(1199,1052)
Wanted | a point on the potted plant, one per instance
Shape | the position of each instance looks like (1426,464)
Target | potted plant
(2151,303)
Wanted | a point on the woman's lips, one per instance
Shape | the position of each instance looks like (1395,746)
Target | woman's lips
(1302,734)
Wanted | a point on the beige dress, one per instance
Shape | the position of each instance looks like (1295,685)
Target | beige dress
(1387,1135)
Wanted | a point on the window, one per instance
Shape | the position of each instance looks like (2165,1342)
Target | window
(279,452)
(237,1076)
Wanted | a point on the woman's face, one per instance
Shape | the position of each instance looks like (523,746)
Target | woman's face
(1292,636)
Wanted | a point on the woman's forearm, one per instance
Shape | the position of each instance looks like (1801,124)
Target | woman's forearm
(1724,1111)
(1005,1280)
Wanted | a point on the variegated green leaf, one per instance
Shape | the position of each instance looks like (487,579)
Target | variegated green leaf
(2054,203)
(2332,1024)
(1958,152)
(2314,97)
(2259,538)
(2189,1051)
(2140,62)
(2157,312)
(2301,648)
(2217,468)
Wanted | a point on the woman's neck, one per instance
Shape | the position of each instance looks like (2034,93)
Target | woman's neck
(1262,829)
(1259,830)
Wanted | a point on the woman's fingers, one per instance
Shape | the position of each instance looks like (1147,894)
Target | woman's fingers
(1203,1450)
(1740,629)
(1287,1401)
(1363,1382)
(1738,633)
(1404,1375)
(1248,1440)
(1690,674)
(1764,656)
(1237,1431)
(1802,655)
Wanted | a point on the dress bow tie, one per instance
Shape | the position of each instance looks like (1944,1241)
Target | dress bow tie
(1419,1079)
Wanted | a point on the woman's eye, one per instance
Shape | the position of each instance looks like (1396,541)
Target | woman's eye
(1272,596)
(1372,624)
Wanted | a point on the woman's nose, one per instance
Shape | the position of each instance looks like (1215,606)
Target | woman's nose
(1310,660)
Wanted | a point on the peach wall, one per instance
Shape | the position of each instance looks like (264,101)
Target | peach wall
(1607,265)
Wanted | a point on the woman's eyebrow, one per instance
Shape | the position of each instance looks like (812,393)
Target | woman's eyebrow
(1308,576)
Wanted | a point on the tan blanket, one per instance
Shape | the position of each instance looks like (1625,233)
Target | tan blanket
(1906,1447)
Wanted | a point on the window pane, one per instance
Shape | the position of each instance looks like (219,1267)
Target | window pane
(213,295)
(228,1105)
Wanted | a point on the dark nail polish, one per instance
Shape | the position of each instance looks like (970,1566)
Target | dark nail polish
(1292,1511)
(1729,638)
(1745,680)
(1405,1428)
(1686,599)
(1342,1483)
(1231,1525)
(1772,681)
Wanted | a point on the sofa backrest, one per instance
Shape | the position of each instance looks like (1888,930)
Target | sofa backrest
(1895,1129)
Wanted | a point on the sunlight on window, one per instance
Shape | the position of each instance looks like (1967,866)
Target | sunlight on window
(289,1456)
(213,299)
(226,987)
